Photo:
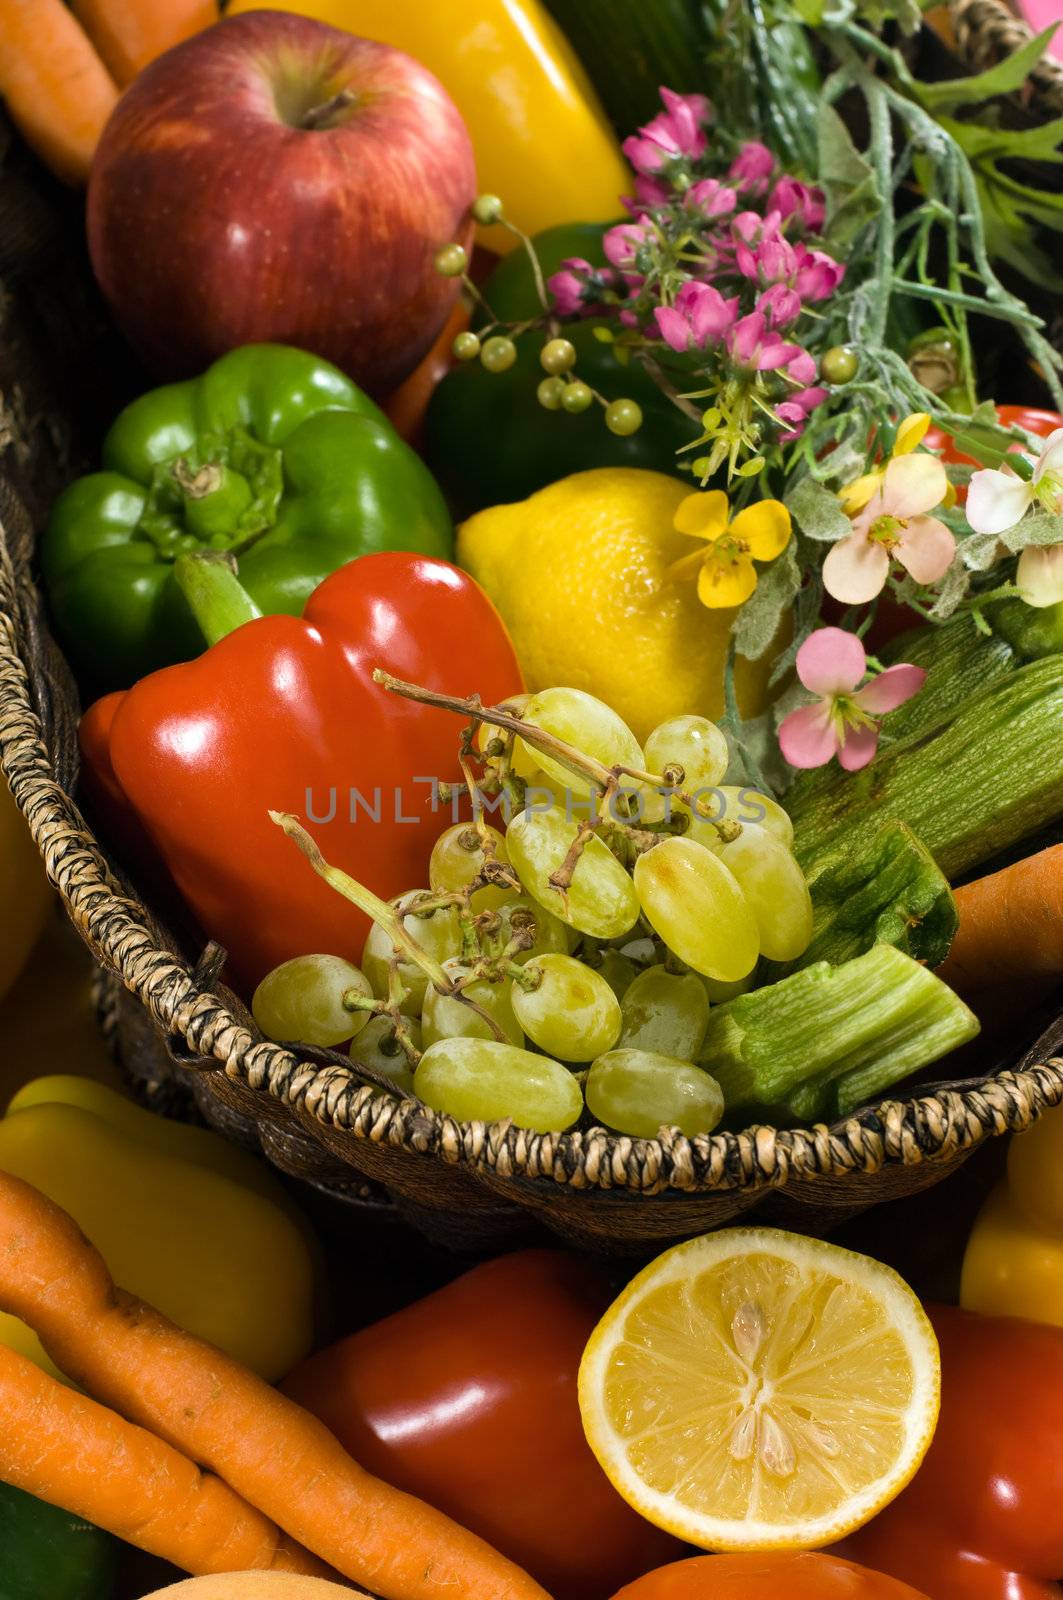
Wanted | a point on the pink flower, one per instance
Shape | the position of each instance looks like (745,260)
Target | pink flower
(711,198)
(758,348)
(753,166)
(792,198)
(675,132)
(795,409)
(568,286)
(622,243)
(773,260)
(779,305)
(701,316)
(843,722)
(818,275)
(648,194)
(894,523)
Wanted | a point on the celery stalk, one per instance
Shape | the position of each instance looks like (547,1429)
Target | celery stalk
(881,1013)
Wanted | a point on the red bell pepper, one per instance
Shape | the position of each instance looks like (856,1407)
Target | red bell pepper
(282,713)
(981,1519)
(468,1399)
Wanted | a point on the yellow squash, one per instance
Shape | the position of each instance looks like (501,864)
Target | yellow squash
(177,1214)
(541,138)
(1014,1261)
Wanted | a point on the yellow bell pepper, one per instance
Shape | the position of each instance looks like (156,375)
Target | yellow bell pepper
(24,890)
(1013,1266)
(541,137)
(178,1215)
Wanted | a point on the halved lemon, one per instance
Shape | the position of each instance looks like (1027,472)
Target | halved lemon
(755,1390)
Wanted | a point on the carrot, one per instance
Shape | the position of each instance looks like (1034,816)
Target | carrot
(57,89)
(1011,926)
(130,33)
(272,1452)
(64,1448)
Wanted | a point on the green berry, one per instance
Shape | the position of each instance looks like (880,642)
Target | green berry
(558,355)
(623,417)
(487,208)
(550,393)
(576,398)
(499,353)
(466,346)
(451,261)
(839,364)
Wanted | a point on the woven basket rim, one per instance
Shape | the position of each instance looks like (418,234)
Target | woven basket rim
(986,29)
(928,1127)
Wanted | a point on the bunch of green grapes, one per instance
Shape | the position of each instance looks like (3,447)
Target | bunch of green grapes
(575,955)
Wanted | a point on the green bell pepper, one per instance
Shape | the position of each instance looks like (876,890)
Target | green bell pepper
(487,438)
(47,1554)
(272,456)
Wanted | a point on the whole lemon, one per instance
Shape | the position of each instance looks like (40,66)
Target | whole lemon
(579,572)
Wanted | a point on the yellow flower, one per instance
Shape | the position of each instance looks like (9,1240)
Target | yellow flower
(726,574)
(857,495)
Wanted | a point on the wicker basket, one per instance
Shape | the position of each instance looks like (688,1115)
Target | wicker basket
(178,1031)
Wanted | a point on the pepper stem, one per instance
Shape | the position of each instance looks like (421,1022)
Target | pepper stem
(216,597)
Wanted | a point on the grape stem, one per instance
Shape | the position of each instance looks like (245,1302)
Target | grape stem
(385,916)
(605,778)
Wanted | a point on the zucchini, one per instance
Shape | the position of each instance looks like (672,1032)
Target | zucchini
(886,889)
(961,661)
(971,787)
(882,1016)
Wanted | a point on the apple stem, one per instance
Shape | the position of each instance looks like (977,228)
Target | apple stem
(323,116)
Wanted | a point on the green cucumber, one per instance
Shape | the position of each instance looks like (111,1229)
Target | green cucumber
(882,1015)
(971,787)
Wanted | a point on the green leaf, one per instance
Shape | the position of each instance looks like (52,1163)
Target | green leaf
(1007,76)
(1038,527)
(817,512)
(846,178)
(951,591)
(1041,143)
(811,12)
(758,620)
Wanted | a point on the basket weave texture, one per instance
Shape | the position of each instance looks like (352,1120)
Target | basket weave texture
(472,1185)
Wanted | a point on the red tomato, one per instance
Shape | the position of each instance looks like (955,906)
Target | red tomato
(468,1399)
(981,1518)
(768,1577)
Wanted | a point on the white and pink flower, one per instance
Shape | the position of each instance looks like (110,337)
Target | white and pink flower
(894,525)
(998,498)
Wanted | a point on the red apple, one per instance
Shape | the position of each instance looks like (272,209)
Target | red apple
(277,179)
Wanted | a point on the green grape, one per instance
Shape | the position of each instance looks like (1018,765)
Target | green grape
(618,971)
(666,1013)
(775,888)
(439,935)
(516,913)
(457,858)
(695,905)
(303,999)
(479,1080)
(376,1046)
(600,900)
(743,804)
(718,992)
(446,1017)
(693,743)
(639,1092)
(589,725)
(572,1014)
